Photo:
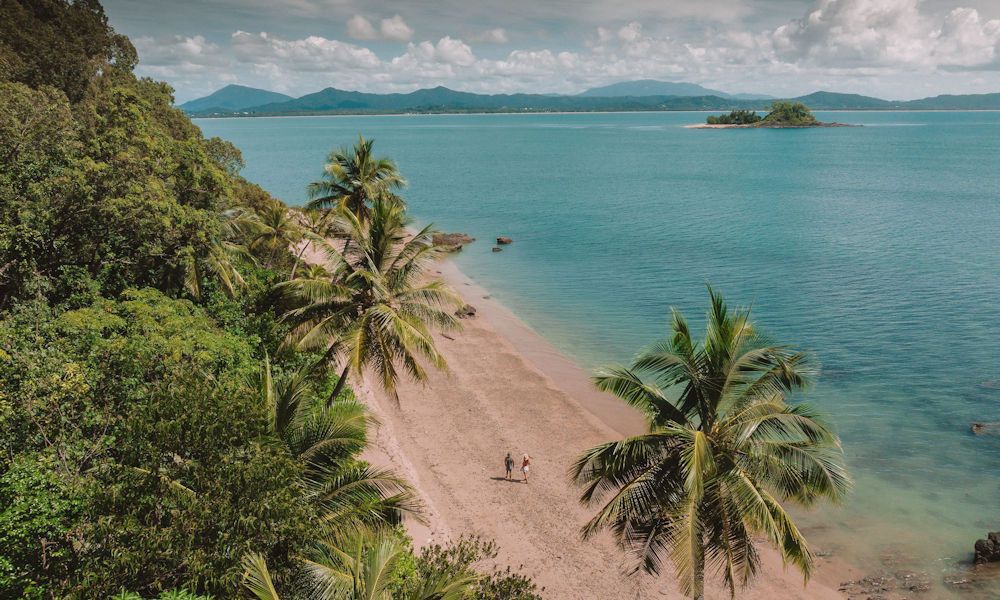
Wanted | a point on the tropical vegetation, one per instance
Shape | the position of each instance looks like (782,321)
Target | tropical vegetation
(726,449)
(165,430)
(782,114)
(736,117)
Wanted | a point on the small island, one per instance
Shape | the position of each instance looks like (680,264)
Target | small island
(783,115)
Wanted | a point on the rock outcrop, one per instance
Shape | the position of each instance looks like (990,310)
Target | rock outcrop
(988,550)
(451,242)
(986,427)
(467,311)
(503,240)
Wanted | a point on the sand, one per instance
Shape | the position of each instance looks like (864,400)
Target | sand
(508,390)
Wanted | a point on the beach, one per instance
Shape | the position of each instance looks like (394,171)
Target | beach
(508,390)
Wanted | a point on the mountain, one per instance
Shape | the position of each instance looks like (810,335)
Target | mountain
(233,98)
(444,100)
(650,87)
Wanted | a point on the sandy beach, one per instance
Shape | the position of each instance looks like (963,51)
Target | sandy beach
(509,390)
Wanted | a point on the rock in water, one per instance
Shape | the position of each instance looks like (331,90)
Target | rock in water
(988,550)
(466,311)
(986,428)
(497,249)
(451,242)
(504,240)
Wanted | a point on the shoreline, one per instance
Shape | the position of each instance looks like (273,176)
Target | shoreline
(509,389)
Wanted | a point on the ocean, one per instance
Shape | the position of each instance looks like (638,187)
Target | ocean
(877,248)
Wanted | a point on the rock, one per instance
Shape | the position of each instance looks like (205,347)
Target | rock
(451,242)
(466,311)
(985,428)
(504,240)
(988,550)
(497,249)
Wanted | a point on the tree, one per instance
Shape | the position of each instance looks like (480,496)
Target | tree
(372,311)
(348,493)
(724,450)
(354,178)
(360,567)
(278,231)
(790,113)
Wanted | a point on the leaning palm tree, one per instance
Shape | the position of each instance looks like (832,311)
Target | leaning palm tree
(316,226)
(348,493)
(373,310)
(355,178)
(724,450)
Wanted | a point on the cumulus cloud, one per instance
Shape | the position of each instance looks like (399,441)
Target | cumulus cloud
(395,28)
(312,54)
(886,33)
(360,28)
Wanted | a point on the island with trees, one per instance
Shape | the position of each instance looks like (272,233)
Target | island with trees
(783,115)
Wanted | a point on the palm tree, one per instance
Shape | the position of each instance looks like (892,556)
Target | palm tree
(360,567)
(221,256)
(349,493)
(372,311)
(315,226)
(278,231)
(354,178)
(723,451)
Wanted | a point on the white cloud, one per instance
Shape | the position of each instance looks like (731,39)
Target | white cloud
(312,54)
(886,33)
(360,28)
(395,28)
(497,35)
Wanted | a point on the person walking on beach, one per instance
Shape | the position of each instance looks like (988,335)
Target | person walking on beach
(508,464)
(525,467)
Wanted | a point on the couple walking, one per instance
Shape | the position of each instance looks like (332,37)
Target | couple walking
(508,464)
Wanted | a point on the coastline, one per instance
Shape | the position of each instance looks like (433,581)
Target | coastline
(509,389)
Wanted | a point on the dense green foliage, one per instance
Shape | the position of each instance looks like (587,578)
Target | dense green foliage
(158,436)
(793,114)
(724,450)
(736,117)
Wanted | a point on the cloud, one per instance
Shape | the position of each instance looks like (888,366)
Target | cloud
(312,54)
(360,28)
(497,35)
(395,28)
(886,33)
(879,47)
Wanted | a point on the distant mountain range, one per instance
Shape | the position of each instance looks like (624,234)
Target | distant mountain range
(652,87)
(233,98)
(646,95)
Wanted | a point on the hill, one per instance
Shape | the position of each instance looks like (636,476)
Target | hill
(444,100)
(650,87)
(233,98)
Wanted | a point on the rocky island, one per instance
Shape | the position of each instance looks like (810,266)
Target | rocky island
(783,115)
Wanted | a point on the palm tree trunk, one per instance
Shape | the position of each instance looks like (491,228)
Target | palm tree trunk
(339,387)
(298,258)
(698,592)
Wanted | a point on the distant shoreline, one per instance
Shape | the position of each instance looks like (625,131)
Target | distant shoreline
(763,126)
(570,112)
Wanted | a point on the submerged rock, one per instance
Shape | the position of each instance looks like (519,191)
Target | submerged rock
(497,249)
(988,550)
(451,242)
(504,240)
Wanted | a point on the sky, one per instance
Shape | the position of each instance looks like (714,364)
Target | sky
(893,49)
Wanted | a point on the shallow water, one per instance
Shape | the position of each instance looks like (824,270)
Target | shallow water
(877,248)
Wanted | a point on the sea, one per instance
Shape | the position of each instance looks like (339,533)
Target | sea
(876,248)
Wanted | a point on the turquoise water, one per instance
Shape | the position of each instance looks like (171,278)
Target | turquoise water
(878,248)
